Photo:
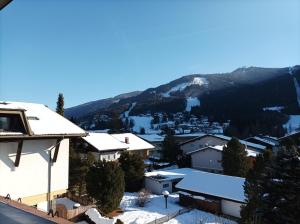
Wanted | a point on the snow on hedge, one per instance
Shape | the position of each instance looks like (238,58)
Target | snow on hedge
(197,216)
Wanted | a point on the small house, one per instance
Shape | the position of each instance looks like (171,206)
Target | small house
(102,145)
(213,140)
(212,192)
(209,158)
(135,144)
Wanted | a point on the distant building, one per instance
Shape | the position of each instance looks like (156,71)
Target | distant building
(102,145)
(209,158)
(34,152)
(157,141)
(110,146)
(214,140)
(268,141)
(135,144)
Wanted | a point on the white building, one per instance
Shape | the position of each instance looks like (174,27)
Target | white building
(164,180)
(104,146)
(135,144)
(34,152)
(213,192)
(207,191)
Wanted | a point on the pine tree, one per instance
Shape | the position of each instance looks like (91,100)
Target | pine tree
(105,183)
(79,168)
(170,149)
(253,188)
(281,187)
(234,159)
(133,167)
(60,104)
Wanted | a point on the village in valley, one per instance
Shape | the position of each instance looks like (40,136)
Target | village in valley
(219,148)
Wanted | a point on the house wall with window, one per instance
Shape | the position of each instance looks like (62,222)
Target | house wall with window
(158,186)
(201,143)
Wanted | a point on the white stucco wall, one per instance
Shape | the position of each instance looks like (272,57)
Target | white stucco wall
(156,187)
(31,177)
(207,159)
(231,208)
(198,144)
(108,156)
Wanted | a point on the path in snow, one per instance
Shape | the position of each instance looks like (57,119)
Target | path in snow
(192,102)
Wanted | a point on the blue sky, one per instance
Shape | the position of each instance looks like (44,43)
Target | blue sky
(95,49)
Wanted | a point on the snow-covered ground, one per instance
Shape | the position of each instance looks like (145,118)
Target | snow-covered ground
(192,102)
(196,216)
(142,122)
(292,124)
(155,209)
(276,108)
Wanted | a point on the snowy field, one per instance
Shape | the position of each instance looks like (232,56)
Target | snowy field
(292,124)
(155,209)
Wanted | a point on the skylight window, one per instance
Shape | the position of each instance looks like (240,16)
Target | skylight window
(11,123)
(32,118)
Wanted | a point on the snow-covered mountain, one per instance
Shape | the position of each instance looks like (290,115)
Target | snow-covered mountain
(246,88)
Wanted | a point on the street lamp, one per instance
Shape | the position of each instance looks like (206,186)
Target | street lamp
(166,194)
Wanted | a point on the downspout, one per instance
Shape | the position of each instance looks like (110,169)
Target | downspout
(49,201)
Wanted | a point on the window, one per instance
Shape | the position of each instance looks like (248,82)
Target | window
(11,123)
(165,185)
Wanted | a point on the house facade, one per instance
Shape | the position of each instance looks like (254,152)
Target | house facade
(157,141)
(135,144)
(209,158)
(102,145)
(34,153)
(214,140)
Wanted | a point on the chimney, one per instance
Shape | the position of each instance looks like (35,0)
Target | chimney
(127,140)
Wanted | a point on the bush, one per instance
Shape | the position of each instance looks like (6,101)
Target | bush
(143,197)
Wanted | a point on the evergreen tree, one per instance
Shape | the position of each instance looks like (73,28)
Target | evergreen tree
(79,168)
(234,159)
(281,187)
(142,131)
(133,167)
(60,104)
(253,188)
(105,183)
(170,149)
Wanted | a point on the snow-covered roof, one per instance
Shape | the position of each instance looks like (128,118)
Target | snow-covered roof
(272,143)
(220,148)
(222,186)
(45,122)
(227,138)
(170,174)
(134,142)
(104,142)
(152,137)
